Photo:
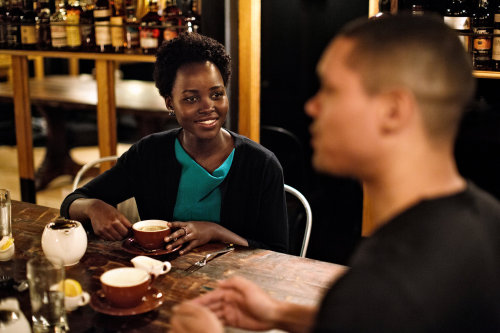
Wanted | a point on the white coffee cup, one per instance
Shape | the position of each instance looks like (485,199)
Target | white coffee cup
(72,303)
(152,266)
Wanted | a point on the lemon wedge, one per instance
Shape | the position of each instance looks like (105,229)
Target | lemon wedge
(72,288)
(6,242)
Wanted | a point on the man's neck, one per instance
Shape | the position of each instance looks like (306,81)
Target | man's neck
(411,180)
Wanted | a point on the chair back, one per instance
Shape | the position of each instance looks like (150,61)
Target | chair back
(128,207)
(299,221)
(290,153)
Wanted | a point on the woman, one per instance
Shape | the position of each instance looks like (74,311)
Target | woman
(215,184)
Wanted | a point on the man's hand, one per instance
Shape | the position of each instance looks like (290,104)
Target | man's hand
(241,303)
(190,317)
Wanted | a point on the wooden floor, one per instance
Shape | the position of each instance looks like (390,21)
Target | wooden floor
(53,195)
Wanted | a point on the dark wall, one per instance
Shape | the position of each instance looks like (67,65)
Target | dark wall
(294,34)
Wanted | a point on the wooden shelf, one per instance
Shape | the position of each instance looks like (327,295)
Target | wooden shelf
(487,74)
(82,55)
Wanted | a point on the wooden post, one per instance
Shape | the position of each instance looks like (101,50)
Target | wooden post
(24,136)
(106,109)
(249,68)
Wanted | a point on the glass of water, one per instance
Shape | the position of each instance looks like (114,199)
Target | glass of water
(46,283)
(6,240)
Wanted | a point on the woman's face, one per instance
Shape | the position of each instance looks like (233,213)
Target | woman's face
(199,100)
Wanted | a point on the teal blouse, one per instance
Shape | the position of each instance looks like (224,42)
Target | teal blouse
(198,196)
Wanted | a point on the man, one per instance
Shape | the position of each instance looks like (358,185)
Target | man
(392,94)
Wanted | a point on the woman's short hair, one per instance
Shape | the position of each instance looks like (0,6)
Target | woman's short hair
(185,49)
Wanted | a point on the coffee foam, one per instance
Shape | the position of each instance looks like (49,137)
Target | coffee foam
(124,277)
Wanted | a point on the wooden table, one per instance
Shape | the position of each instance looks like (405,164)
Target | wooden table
(64,93)
(285,277)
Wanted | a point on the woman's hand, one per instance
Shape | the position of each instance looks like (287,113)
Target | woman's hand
(107,222)
(194,234)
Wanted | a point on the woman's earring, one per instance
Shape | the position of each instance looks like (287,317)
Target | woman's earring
(171,112)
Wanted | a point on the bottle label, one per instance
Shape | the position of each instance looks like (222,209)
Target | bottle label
(102,33)
(117,39)
(72,29)
(497,17)
(496,45)
(149,38)
(100,13)
(12,34)
(458,23)
(482,43)
(132,37)
(169,34)
(58,34)
(3,34)
(28,35)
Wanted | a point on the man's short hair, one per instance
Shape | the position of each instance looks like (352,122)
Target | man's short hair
(188,48)
(421,54)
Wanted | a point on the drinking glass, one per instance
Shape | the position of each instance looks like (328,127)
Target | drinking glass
(46,282)
(6,242)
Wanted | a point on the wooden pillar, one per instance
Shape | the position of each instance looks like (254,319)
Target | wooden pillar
(106,109)
(39,67)
(24,136)
(249,68)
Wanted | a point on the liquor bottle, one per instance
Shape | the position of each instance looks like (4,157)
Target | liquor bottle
(3,24)
(417,7)
(58,27)
(87,33)
(192,18)
(43,18)
(457,16)
(13,20)
(117,31)
(132,41)
(172,20)
(482,29)
(102,15)
(384,9)
(151,34)
(29,36)
(73,13)
(495,56)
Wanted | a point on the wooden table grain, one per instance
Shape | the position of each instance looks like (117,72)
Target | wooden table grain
(285,277)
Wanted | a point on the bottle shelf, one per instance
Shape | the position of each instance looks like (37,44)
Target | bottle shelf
(486,74)
(82,55)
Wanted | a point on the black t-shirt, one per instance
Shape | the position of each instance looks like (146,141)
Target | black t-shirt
(433,268)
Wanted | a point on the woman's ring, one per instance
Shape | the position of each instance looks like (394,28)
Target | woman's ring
(185,231)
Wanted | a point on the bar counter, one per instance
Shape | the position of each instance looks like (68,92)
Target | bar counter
(285,277)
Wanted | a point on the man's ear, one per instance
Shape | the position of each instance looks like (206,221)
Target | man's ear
(397,109)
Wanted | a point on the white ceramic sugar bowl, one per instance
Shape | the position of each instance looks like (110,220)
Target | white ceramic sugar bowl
(65,239)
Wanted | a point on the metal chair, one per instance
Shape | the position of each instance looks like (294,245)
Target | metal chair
(293,221)
(128,207)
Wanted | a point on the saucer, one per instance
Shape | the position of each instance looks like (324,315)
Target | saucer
(132,247)
(152,300)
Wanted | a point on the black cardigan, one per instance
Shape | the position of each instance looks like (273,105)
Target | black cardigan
(252,195)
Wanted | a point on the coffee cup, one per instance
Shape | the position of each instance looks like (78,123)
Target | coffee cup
(125,287)
(150,234)
(150,265)
(72,303)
